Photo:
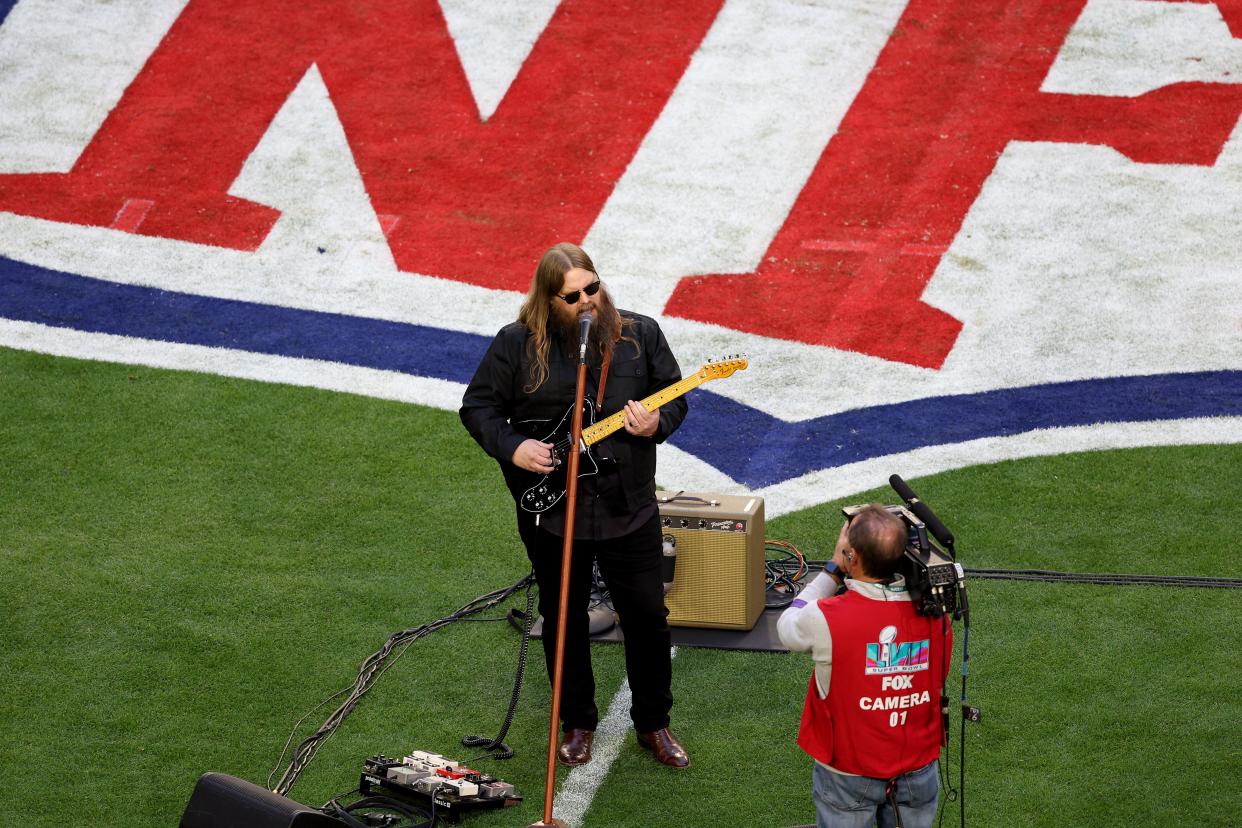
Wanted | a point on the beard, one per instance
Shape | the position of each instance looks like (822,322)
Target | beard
(564,323)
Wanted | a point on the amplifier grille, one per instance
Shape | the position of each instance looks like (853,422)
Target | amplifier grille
(719,580)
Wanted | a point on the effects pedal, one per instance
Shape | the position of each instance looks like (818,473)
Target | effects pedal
(429,779)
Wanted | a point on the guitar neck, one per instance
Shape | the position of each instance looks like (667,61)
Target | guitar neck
(608,425)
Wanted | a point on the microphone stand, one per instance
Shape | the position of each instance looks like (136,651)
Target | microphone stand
(567,551)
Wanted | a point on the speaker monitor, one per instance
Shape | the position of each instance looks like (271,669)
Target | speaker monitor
(719,541)
(223,801)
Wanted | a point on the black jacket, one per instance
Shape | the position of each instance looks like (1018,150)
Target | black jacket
(499,414)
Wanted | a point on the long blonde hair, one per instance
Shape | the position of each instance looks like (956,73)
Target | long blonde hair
(544,288)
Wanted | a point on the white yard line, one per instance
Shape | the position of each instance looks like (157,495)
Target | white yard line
(578,790)
(227,362)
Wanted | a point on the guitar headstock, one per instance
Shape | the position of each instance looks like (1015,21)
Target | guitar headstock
(723,367)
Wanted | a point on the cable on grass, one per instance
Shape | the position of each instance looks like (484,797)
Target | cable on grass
(1105,579)
(1097,578)
(783,576)
(415,815)
(496,748)
(372,669)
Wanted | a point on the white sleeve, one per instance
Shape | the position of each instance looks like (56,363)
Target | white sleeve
(795,627)
(803,628)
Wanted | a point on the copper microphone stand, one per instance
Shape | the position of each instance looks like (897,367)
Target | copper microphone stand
(567,551)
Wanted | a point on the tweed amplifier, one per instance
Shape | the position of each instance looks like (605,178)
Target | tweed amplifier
(719,544)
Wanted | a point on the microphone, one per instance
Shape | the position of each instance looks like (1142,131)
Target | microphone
(902,488)
(922,511)
(584,330)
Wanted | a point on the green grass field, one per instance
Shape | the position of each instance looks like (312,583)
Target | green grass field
(192,563)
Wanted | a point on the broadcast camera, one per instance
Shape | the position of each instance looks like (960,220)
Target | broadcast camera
(936,581)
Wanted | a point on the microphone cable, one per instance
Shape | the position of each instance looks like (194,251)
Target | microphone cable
(496,748)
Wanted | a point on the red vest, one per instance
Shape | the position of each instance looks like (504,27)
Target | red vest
(881,717)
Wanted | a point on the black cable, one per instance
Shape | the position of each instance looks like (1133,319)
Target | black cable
(1107,579)
(1100,579)
(417,816)
(371,670)
(294,731)
(782,577)
(951,794)
(961,743)
(776,598)
(890,792)
(496,748)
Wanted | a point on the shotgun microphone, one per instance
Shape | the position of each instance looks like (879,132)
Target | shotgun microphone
(922,511)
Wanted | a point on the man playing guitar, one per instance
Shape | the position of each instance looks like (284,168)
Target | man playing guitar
(522,390)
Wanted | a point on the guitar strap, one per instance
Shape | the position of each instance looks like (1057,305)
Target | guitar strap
(603,378)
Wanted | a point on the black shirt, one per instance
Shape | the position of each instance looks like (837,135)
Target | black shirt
(500,414)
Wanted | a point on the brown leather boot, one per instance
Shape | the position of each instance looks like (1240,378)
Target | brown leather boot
(575,747)
(667,749)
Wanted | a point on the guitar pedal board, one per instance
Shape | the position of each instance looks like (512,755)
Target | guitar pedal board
(429,779)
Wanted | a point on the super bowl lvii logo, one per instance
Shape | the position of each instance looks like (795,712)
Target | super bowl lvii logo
(891,656)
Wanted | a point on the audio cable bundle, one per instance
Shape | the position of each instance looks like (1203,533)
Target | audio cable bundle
(372,668)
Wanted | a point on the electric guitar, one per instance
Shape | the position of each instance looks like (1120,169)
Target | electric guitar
(550,488)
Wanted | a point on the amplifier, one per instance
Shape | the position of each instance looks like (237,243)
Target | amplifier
(719,543)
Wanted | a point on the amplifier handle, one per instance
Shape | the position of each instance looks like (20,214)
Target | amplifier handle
(690,499)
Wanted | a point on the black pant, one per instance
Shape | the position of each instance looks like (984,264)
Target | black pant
(631,567)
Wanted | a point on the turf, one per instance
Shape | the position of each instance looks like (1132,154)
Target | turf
(192,563)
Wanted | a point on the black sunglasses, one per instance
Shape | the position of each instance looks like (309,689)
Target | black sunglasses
(572,298)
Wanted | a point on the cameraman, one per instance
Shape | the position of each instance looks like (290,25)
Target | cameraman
(871,718)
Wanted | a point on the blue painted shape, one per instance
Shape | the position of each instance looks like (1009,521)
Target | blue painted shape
(6,6)
(757,449)
(751,446)
(48,297)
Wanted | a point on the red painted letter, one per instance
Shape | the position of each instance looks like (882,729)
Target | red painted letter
(955,84)
(459,198)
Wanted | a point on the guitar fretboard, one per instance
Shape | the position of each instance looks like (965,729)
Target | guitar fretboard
(593,434)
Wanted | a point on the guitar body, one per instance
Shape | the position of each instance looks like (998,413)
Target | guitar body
(549,489)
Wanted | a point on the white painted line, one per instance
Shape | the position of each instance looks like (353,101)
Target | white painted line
(313,373)
(830,484)
(681,470)
(578,790)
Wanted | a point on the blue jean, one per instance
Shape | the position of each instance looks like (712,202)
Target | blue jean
(859,802)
